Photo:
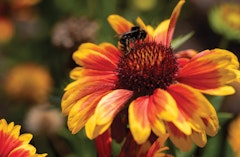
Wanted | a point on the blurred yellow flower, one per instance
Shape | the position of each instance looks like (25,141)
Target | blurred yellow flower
(13,144)
(224,20)
(233,135)
(143,5)
(29,82)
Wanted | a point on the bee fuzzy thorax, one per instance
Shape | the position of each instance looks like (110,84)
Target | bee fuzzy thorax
(129,39)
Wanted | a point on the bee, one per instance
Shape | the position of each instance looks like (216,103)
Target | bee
(128,39)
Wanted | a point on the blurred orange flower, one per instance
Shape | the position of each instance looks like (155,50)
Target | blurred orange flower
(6,28)
(29,82)
(9,9)
(13,144)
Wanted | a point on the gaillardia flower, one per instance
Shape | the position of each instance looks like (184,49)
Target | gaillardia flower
(162,93)
(13,144)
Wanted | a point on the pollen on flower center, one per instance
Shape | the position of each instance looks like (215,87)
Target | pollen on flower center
(146,67)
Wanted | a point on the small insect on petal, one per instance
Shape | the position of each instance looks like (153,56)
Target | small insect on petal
(128,39)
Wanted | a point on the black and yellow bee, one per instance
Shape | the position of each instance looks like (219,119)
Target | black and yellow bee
(128,39)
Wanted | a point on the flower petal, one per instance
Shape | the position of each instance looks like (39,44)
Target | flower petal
(192,105)
(91,81)
(157,125)
(119,24)
(82,110)
(79,90)
(111,51)
(94,57)
(164,105)
(23,151)
(110,104)
(173,21)
(158,146)
(178,138)
(141,23)
(189,53)
(182,62)
(93,130)
(138,119)
(199,138)
(91,74)
(13,143)
(221,91)
(104,144)
(160,33)
(209,71)
(25,138)
(234,60)
(188,96)
(211,124)
(164,31)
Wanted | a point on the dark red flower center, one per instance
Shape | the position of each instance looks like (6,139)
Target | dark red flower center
(146,67)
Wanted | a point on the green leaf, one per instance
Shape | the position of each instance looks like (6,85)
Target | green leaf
(216,101)
(177,42)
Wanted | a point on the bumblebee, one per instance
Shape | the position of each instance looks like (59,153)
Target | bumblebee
(128,39)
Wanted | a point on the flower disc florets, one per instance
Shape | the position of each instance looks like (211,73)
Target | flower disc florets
(146,67)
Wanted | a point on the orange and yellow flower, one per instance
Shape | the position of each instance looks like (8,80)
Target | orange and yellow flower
(13,144)
(28,82)
(162,92)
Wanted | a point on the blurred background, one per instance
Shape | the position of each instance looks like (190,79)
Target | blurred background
(38,38)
